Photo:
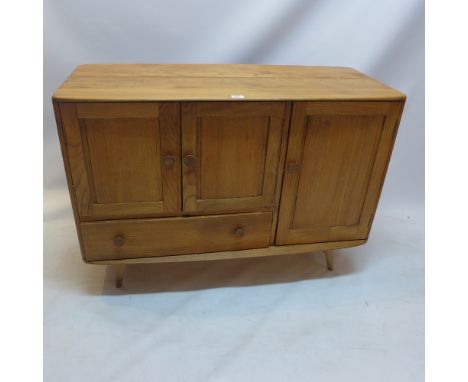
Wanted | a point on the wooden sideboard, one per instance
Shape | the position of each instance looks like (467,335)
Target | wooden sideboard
(197,162)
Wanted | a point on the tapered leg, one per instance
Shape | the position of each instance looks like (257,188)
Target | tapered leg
(329,257)
(119,273)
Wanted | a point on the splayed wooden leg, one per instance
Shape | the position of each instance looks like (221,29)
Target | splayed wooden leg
(329,257)
(119,272)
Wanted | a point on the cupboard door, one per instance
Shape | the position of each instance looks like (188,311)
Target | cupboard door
(231,152)
(335,166)
(124,158)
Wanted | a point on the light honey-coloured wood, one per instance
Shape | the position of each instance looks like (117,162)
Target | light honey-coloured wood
(231,154)
(336,161)
(242,254)
(122,239)
(120,82)
(66,164)
(117,157)
(169,163)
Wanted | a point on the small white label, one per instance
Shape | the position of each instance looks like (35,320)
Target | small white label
(237,96)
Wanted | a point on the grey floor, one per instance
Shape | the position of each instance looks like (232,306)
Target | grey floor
(272,319)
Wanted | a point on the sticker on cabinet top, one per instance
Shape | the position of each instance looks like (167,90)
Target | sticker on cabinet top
(237,96)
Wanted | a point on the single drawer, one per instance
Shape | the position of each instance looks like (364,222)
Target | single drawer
(123,239)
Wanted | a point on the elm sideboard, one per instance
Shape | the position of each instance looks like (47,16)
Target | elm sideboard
(201,162)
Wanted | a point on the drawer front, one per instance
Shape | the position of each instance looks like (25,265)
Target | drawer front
(109,240)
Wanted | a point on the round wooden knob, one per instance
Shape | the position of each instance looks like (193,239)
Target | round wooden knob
(169,160)
(189,160)
(239,232)
(292,167)
(119,240)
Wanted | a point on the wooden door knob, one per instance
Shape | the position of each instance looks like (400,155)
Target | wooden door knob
(119,240)
(292,167)
(169,160)
(190,160)
(239,232)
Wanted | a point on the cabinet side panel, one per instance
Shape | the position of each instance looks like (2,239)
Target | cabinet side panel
(66,164)
(76,158)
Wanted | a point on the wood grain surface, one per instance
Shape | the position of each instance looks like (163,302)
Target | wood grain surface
(172,236)
(117,155)
(241,254)
(335,166)
(193,162)
(153,82)
(236,151)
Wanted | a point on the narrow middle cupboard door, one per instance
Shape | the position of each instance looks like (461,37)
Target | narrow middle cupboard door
(230,155)
(124,158)
(335,165)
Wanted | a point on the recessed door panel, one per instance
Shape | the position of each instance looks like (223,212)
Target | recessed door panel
(124,159)
(231,149)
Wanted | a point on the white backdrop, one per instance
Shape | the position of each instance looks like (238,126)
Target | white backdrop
(382,38)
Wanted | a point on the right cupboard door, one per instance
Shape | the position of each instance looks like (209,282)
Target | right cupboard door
(336,161)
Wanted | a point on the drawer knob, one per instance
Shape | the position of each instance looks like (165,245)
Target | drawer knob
(119,240)
(169,160)
(239,232)
(189,160)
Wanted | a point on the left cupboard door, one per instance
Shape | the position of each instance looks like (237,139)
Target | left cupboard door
(124,158)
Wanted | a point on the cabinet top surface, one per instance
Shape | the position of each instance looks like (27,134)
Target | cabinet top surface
(216,82)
